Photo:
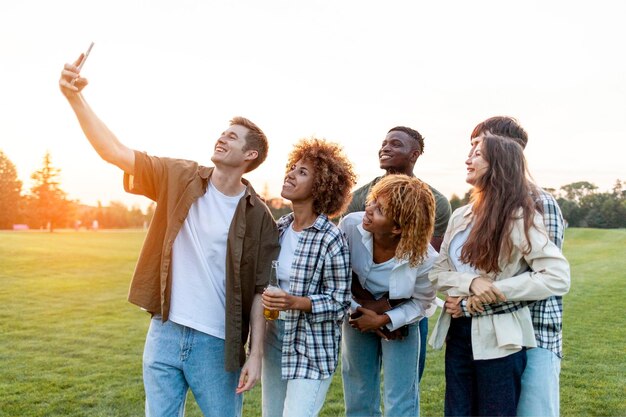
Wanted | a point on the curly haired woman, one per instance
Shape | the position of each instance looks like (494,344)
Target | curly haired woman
(391,258)
(302,346)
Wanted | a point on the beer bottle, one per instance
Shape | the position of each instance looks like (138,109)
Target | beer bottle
(273,286)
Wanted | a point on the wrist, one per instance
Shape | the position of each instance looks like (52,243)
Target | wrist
(255,353)
(384,319)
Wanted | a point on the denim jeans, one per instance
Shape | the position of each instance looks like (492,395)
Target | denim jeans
(287,398)
(177,358)
(423,337)
(362,356)
(540,384)
(479,387)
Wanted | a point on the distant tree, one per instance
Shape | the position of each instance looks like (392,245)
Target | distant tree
(455,202)
(10,193)
(618,190)
(278,207)
(577,190)
(572,213)
(48,204)
(583,206)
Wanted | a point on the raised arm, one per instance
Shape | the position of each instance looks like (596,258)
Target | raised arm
(101,138)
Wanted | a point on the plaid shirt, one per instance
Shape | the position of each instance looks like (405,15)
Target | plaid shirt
(321,272)
(547,314)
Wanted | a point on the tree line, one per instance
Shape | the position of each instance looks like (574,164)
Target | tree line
(46,205)
(582,204)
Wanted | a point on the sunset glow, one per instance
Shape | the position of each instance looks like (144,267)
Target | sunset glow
(167,76)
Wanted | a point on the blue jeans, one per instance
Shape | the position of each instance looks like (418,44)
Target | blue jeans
(177,358)
(361,359)
(292,397)
(540,384)
(423,337)
(479,387)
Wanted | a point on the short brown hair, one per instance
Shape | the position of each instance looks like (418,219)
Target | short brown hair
(410,204)
(334,176)
(505,126)
(255,140)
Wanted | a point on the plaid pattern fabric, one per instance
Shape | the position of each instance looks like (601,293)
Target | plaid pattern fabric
(547,314)
(321,272)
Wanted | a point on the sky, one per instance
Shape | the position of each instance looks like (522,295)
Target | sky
(167,76)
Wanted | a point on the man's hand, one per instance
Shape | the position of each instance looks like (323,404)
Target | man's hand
(452,306)
(474,305)
(484,290)
(368,320)
(71,83)
(250,374)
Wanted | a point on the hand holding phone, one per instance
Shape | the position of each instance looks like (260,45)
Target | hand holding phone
(82,62)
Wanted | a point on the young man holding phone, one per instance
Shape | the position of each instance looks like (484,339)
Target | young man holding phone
(203,265)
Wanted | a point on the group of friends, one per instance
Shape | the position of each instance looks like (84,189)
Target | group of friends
(358,274)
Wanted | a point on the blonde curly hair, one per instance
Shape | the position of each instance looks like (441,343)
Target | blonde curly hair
(410,204)
(334,176)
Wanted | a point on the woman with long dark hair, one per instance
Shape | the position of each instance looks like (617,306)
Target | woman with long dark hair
(496,248)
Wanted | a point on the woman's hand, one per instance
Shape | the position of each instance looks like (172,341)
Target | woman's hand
(474,305)
(483,289)
(368,320)
(277,299)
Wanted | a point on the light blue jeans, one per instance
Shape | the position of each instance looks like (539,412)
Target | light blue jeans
(176,358)
(540,384)
(287,398)
(361,359)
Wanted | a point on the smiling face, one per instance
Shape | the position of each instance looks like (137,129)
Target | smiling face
(228,150)
(376,222)
(474,142)
(298,184)
(477,166)
(398,153)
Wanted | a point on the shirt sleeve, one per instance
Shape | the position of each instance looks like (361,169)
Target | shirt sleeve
(499,308)
(269,249)
(552,218)
(150,171)
(549,272)
(442,213)
(334,300)
(421,303)
(443,275)
(358,199)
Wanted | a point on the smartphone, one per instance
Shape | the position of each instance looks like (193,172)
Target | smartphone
(85,57)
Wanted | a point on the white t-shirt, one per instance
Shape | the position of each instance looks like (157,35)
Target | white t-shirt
(199,264)
(288,244)
(455,248)
(378,278)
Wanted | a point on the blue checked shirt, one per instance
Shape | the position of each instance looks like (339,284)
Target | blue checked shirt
(321,272)
(547,314)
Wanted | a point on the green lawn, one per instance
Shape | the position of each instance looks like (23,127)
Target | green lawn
(71,345)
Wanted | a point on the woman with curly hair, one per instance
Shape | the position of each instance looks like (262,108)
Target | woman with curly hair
(391,257)
(302,347)
(495,249)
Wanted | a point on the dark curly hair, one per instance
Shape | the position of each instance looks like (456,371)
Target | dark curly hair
(334,176)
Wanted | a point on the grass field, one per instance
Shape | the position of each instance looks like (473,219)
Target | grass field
(71,345)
